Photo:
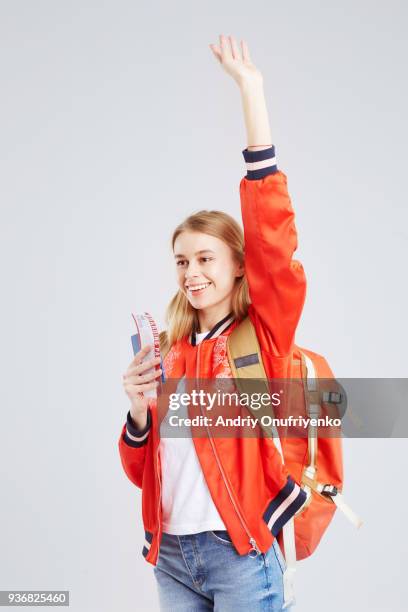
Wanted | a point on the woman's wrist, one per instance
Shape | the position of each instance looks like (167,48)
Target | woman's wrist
(139,419)
(251,85)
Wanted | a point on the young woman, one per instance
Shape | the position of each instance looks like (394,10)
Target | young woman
(212,508)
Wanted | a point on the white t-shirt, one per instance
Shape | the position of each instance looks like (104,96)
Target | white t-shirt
(186,501)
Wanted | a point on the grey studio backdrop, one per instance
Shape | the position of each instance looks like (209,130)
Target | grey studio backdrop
(116,123)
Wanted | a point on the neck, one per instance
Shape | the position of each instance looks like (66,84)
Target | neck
(209,317)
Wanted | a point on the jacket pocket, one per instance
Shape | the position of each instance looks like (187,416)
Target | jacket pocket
(222,536)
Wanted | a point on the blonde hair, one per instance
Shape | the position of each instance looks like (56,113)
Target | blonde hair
(180,315)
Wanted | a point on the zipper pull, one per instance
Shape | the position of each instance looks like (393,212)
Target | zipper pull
(254,549)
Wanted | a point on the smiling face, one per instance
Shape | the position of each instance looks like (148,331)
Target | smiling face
(206,271)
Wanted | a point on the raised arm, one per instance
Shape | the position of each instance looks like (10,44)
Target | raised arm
(250,82)
(277,283)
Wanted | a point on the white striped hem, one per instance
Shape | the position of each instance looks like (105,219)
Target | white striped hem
(223,327)
(134,438)
(147,544)
(285,504)
(260,165)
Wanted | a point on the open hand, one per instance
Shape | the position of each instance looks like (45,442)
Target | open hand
(236,61)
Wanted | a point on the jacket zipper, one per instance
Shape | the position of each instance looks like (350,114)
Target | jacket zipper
(252,541)
(160,494)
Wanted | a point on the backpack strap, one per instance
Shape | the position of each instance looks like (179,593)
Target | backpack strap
(244,352)
(311,392)
(309,476)
(245,359)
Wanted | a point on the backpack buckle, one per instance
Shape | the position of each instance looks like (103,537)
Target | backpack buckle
(329,490)
(332,397)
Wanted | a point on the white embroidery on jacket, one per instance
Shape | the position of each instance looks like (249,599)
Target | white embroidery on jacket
(170,359)
(220,364)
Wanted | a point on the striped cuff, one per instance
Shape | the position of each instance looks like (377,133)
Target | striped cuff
(286,503)
(136,437)
(147,543)
(260,163)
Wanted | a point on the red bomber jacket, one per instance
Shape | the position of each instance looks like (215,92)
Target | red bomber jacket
(248,482)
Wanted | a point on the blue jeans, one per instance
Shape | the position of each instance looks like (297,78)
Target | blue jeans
(203,571)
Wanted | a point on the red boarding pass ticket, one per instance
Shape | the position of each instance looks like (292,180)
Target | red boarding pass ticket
(147,333)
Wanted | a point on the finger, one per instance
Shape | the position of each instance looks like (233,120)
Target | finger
(141,354)
(245,51)
(142,367)
(226,53)
(138,380)
(236,54)
(216,52)
(136,389)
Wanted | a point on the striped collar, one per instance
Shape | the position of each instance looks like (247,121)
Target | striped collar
(216,331)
